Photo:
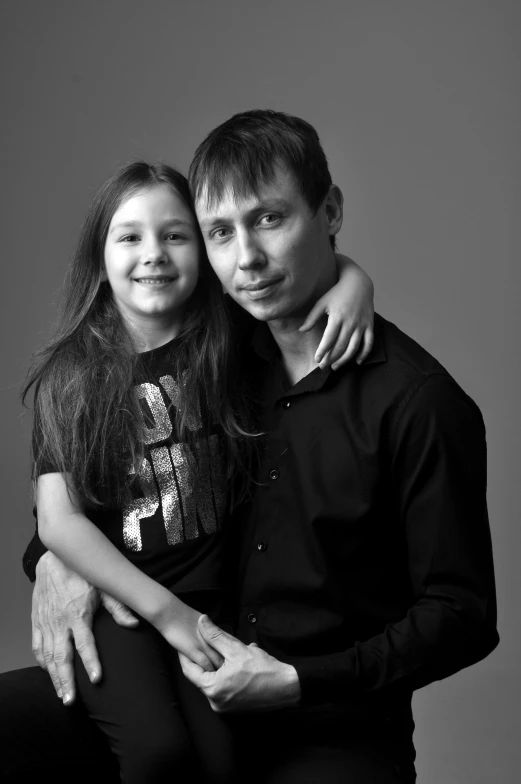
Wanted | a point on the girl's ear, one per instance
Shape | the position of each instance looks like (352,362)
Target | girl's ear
(103,277)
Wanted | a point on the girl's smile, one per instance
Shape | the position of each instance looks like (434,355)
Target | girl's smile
(157,280)
(152,260)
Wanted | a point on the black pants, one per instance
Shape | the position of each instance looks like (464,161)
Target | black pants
(40,739)
(158,726)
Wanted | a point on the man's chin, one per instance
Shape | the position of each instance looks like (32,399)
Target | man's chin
(263,311)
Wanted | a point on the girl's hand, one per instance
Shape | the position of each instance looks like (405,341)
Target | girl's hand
(350,311)
(178,625)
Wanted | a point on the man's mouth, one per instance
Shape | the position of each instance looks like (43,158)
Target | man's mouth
(261,288)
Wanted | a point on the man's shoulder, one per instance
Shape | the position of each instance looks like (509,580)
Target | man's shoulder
(403,353)
(402,366)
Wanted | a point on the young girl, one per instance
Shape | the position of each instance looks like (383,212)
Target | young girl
(141,428)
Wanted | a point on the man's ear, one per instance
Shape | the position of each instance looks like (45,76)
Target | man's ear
(334,209)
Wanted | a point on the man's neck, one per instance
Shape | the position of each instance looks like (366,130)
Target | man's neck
(297,348)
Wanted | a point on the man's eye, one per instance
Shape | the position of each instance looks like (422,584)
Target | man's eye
(269,219)
(220,234)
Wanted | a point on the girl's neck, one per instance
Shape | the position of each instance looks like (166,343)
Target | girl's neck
(148,334)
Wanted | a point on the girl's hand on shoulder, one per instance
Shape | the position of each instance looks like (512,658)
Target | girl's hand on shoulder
(178,625)
(350,311)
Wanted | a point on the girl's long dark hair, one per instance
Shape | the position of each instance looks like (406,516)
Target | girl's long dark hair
(86,418)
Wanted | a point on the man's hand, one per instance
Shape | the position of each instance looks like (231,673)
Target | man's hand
(63,609)
(249,678)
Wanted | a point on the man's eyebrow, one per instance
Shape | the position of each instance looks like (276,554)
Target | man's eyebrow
(263,205)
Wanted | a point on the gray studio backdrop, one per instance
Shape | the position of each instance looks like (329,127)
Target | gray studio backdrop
(417,104)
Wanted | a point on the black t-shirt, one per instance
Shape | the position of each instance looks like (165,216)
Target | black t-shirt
(169,527)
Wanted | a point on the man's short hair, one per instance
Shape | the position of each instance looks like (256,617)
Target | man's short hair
(244,151)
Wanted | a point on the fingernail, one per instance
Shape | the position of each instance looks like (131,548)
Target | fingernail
(359,361)
(66,699)
(334,367)
(93,675)
(59,692)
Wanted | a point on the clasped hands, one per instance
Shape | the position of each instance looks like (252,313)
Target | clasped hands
(64,605)
(248,678)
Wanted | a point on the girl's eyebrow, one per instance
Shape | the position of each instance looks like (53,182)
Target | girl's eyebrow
(135,223)
(124,225)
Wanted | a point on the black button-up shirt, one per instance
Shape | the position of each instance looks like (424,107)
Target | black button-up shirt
(365,555)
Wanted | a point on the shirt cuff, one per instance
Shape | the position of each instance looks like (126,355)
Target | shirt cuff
(32,555)
(326,678)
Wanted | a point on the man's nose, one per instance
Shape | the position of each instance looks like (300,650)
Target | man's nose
(250,255)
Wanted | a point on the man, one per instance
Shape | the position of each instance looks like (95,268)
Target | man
(365,567)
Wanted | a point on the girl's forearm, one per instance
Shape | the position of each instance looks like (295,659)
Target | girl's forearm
(347,268)
(86,550)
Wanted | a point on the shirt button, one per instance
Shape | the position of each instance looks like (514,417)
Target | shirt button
(274,474)
(252,618)
(286,403)
(262,546)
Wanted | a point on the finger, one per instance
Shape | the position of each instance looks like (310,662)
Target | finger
(201,659)
(50,666)
(119,611)
(314,315)
(368,342)
(86,647)
(37,647)
(63,660)
(328,338)
(224,643)
(350,351)
(340,347)
(191,670)
(213,655)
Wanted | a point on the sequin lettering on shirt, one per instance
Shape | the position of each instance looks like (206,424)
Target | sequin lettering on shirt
(138,508)
(171,387)
(168,491)
(179,454)
(157,423)
(188,509)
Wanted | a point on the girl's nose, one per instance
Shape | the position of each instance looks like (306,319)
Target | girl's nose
(155,253)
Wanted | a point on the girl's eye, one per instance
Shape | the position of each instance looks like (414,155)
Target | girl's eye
(129,238)
(173,236)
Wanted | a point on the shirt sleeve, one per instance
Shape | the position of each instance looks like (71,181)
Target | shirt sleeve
(438,470)
(35,550)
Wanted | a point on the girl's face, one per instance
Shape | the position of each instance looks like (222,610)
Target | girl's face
(152,258)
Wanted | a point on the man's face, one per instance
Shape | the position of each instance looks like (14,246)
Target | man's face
(271,253)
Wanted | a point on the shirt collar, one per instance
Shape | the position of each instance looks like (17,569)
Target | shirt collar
(265,346)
